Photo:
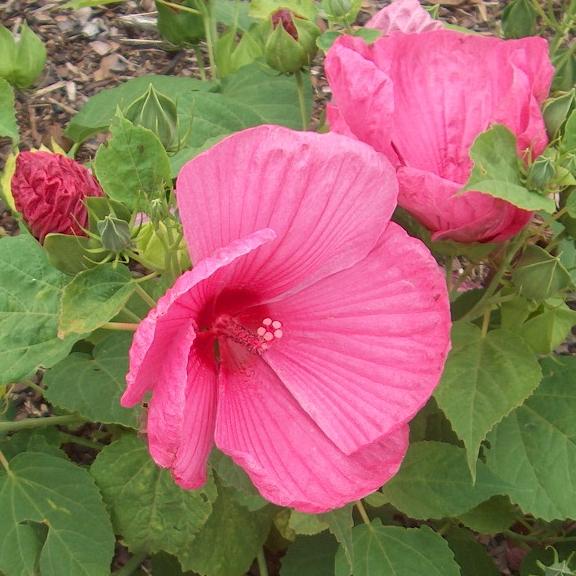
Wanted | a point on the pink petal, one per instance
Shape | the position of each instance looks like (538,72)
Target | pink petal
(288,458)
(406,16)
(363,349)
(327,198)
(161,348)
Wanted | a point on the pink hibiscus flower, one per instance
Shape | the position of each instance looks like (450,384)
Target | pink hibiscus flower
(308,333)
(405,16)
(422,99)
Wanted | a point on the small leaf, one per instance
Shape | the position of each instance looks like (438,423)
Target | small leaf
(390,550)
(91,384)
(534,448)
(434,482)
(519,19)
(133,167)
(30,292)
(52,491)
(569,138)
(485,378)
(310,556)
(93,298)
(497,171)
(148,509)
(495,515)
(556,111)
(30,58)
(325,40)
(547,330)
(8,125)
(72,254)
(229,541)
(539,275)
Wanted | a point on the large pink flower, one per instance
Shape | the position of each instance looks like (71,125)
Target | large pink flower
(309,331)
(421,99)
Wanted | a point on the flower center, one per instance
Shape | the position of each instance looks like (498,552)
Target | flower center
(254,341)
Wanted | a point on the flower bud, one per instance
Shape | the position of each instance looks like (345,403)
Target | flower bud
(541,171)
(158,113)
(114,234)
(49,191)
(292,43)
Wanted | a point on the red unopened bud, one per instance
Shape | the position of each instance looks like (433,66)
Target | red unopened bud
(284,18)
(49,191)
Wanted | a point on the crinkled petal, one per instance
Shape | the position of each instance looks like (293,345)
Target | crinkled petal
(327,198)
(436,202)
(159,356)
(363,349)
(288,458)
(406,16)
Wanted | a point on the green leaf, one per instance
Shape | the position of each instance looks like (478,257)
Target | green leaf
(395,551)
(534,448)
(30,291)
(434,482)
(519,19)
(229,541)
(91,384)
(547,330)
(232,13)
(484,379)
(98,113)
(262,9)
(340,523)
(569,138)
(46,441)
(497,171)
(539,275)
(8,124)
(310,556)
(306,524)
(72,254)
(271,95)
(495,515)
(325,40)
(133,166)
(7,53)
(470,555)
(556,111)
(30,58)
(48,490)
(93,298)
(148,509)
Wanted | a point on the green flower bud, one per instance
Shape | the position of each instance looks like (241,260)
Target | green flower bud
(158,113)
(542,171)
(292,43)
(114,234)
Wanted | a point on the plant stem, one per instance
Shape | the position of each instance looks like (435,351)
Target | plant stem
(206,18)
(486,322)
(29,423)
(301,99)
(200,62)
(4,463)
(363,513)
(128,326)
(262,566)
(71,439)
(35,387)
(131,566)
(145,296)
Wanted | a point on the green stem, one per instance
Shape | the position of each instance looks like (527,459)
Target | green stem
(145,296)
(200,62)
(208,29)
(363,513)
(132,565)
(71,439)
(486,322)
(4,463)
(301,99)
(35,387)
(30,423)
(131,315)
(128,326)
(262,566)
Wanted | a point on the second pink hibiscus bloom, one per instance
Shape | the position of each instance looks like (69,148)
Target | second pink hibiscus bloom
(309,332)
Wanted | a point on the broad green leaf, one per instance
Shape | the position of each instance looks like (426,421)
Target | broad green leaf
(229,541)
(497,171)
(431,424)
(534,448)
(91,384)
(306,524)
(395,551)
(98,113)
(93,298)
(539,275)
(148,509)
(310,556)
(8,125)
(340,523)
(47,441)
(484,379)
(434,482)
(325,40)
(470,555)
(133,167)
(547,330)
(30,291)
(492,516)
(271,95)
(52,491)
